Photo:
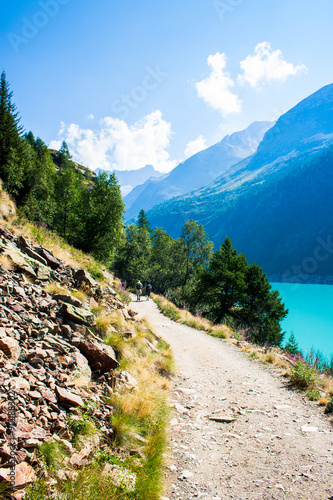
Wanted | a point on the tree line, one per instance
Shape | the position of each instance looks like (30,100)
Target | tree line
(87,210)
(222,285)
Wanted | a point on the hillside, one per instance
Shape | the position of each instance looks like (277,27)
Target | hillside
(276,205)
(197,171)
(71,354)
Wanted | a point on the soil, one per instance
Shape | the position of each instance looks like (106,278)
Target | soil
(238,431)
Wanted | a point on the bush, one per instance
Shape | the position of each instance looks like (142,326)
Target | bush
(303,376)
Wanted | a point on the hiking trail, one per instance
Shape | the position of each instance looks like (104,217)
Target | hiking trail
(238,431)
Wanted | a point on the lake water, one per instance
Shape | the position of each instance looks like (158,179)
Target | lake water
(310,315)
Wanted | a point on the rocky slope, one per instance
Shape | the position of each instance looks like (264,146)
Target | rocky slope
(52,364)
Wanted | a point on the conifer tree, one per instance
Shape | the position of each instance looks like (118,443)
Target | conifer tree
(15,156)
(10,128)
(292,345)
(143,220)
(221,287)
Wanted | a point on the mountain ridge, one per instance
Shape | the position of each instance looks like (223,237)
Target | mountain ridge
(198,170)
(263,203)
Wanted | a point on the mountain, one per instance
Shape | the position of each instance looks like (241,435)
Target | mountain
(197,171)
(276,205)
(128,179)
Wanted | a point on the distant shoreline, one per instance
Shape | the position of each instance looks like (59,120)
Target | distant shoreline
(301,279)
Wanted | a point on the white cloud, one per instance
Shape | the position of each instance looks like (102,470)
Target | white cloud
(91,117)
(116,146)
(195,146)
(215,90)
(266,65)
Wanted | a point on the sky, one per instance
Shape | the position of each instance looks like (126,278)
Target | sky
(135,82)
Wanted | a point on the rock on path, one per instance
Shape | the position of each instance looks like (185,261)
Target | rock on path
(237,431)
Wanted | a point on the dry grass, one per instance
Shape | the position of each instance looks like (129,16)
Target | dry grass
(185,317)
(56,289)
(80,295)
(220,331)
(327,385)
(7,205)
(6,263)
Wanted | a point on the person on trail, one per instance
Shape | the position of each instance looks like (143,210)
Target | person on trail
(138,290)
(148,289)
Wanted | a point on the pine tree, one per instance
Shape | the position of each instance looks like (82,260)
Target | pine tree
(10,128)
(292,345)
(39,204)
(15,156)
(143,220)
(231,287)
(221,287)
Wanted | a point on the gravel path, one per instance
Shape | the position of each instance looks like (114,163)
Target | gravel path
(273,445)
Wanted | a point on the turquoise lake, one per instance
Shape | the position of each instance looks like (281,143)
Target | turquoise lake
(310,315)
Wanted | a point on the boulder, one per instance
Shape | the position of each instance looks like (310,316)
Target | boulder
(20,384)
(24,430)
(21,262)
(100,357)
(82,276)
(76,314)
(69,299)
(52,261)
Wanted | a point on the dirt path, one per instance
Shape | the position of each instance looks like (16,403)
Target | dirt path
(279,446)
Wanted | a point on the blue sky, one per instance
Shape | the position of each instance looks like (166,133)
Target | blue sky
(135,82)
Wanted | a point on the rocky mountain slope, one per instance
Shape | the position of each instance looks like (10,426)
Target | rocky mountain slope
(275,205)
(197,171)
(56,370)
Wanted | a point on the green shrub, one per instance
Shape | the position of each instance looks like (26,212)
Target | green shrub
(303,376)
(314,394)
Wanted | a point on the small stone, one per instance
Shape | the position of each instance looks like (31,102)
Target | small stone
(186,474)
(20,384)
(225,419)
(308,428)
(10,347)
(35,394)
(68,398)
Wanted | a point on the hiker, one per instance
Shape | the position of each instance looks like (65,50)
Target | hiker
(138,290)
(148,289)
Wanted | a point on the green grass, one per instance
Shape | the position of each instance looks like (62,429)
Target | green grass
(53,454)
